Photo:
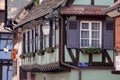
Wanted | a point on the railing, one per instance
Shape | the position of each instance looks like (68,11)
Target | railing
(41,60)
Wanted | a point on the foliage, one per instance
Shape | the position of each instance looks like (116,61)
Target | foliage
(22,56)
(36,2)
(40,52)
(91,50)
(49,50)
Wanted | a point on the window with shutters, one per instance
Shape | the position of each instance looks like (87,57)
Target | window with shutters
(90,33)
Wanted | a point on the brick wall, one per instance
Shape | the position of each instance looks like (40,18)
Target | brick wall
(117,33)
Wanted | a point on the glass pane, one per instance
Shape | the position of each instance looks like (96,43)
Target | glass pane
(85,26)
(95,43)
(83,2)
(104,2)
(95,26)
(84,42)
(95,34)
(84,34)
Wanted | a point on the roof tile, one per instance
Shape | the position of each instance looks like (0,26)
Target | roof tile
(83,10)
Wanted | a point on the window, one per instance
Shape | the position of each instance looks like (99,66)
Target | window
(94,2)
(82,2)
(90,33)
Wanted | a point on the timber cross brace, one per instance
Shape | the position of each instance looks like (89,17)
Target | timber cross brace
(106,59)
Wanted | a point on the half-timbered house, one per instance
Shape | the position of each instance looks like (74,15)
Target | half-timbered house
(66,40)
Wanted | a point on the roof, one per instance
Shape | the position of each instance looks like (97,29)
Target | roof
(116,3)
(113,6)
(38,11)
(83,10)
(113,10)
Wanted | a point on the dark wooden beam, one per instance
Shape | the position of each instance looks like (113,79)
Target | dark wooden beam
(107,56)
(6,62)
(0,72)
(72,55)
(90,59)
(77,56)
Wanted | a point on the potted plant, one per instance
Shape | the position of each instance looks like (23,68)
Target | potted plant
(91,50)
(29,54)
(40,52)
(22,56)
(49,50)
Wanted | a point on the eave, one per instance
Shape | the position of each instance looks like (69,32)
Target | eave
(40,11)
(113,10)
(52,67)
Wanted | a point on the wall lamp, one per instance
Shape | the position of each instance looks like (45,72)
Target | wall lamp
(46,28)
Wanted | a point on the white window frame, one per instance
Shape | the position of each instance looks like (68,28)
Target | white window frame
(90,32)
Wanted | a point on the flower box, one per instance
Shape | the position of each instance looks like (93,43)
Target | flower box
(91,50)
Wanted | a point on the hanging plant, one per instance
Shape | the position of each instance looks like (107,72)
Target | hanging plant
(91,50)
(49,50)
(29,54)
(40,52)
(22,56)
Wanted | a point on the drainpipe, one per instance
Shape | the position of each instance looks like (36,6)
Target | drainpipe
(61,49)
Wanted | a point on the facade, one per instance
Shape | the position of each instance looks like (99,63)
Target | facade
(6,38)
(65,40)
(113,11)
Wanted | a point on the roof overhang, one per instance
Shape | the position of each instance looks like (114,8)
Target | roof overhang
(41,11)
(114,10)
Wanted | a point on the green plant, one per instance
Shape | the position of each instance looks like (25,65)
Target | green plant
(36,2)
(29,54)
(49,50)
(91,50)
(40,52)
(22,56)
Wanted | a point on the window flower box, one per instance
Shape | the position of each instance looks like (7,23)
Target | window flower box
(40,52)
(29,54)
(91,50)
(49,50)
(22,56)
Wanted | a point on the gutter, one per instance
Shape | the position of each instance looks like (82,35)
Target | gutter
(61,50)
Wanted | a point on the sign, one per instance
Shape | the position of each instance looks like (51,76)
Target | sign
(13,54)
(117,63)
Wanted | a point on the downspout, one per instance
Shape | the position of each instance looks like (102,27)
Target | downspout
(61,50)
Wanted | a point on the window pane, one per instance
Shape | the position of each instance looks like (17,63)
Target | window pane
(104,2)
(85,26)
(95,26)
(95,43)
(84,42)
(84,34)
(83,2)
(95,34)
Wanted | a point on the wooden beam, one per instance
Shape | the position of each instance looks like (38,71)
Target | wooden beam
(90,59)
(107,56)
(72,56)
(0,72)
(77,56)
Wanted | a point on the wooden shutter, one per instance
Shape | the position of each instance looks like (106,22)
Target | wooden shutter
(108,34)
(73,34)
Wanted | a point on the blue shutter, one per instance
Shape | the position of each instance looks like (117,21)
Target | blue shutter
(73,31)
(108,34)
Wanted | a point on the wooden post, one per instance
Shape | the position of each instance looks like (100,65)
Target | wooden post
(0,72)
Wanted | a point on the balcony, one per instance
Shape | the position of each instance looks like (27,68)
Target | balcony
(46,62)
